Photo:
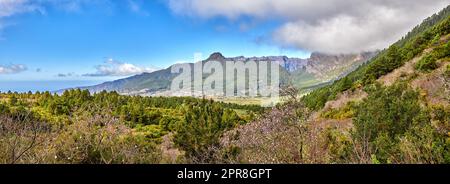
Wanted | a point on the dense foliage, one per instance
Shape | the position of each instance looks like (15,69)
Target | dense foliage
(393,127)
(110,128)
(203,125)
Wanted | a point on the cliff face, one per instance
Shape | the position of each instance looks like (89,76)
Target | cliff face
(323,66)
(329,67)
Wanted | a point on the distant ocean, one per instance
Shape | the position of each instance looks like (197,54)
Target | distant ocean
(25,86)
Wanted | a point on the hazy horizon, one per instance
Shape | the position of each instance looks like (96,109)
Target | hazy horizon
(51,86)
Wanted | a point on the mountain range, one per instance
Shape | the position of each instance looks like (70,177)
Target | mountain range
(303,74)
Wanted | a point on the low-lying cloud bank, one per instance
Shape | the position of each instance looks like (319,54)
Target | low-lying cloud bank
(112,67)
(330,26)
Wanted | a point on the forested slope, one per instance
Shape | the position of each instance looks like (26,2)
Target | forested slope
(78,127)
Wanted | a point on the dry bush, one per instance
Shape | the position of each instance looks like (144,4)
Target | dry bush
(90,139)
(279,136)
(287,134)
(20,136)
(102,139)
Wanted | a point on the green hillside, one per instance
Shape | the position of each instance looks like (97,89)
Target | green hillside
(393,109)
(413,44)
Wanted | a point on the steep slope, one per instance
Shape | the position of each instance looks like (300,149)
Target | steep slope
(394,109)
(412,45)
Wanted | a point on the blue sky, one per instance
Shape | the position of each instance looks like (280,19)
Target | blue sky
(62,44)
(79,42)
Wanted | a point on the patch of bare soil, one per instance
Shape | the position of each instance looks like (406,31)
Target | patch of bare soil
(406,70)
(434,86)
(343,124)
(341,100)
(169,151)
(345,97)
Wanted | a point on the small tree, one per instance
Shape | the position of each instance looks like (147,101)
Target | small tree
(19,134)
(201,129)
(299,119)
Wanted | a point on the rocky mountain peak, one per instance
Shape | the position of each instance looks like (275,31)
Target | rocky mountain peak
(216,56)
(319,56)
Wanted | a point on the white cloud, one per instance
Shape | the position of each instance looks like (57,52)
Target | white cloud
(9,8)
(13,7)
(62,75)
(344,34)
(323,25)
(115,68)
(12,68)
(136,7)
(75,5)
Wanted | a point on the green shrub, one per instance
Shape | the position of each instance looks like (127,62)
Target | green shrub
(390,110)
(339,146)
(3,108)
(198,134)
(441,119)
(442,51)
(422,144)
(427,63)
(447,71)
(343,113)
(384,116)
(397,129)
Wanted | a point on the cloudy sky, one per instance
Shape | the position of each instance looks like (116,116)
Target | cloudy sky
(109,39)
